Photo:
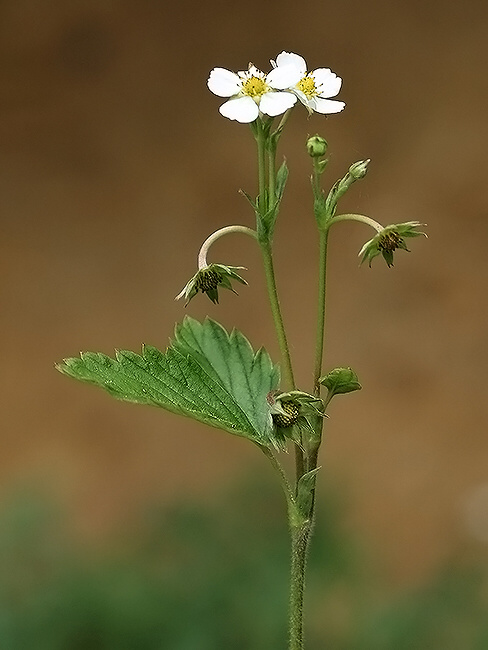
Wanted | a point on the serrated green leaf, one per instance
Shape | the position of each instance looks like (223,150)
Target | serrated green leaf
(205,374)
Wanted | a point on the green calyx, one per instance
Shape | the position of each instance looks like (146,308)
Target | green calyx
(316,146)
(293,414)
(388,240)
(209,279)
(340,381)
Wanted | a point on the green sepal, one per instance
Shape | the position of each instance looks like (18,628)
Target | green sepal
(253,203)
(267,208)
(340,380)
(205,374)
(305,490)
(281,179)
(320,209)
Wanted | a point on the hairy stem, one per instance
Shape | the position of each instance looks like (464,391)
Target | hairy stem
(287,489)
(300,538)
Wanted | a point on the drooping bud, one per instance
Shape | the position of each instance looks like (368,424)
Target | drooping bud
(209,279)
(316,146)
(388,240)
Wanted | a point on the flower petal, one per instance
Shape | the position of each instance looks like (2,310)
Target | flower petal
(327,82)
(326,105)
(288,58)
(276,103)
(224,83)
(252,72)
(242,109)
(284,76)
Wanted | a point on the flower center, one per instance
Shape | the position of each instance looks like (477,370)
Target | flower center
(390,241)
(254,87)
(208,280)
(289,417)
(307,86)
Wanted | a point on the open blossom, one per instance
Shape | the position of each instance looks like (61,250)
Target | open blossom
(313,89)
(252,92)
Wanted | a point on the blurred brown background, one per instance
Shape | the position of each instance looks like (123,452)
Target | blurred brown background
(115,165)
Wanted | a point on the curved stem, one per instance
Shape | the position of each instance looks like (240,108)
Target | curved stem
(355,217)
(202,255)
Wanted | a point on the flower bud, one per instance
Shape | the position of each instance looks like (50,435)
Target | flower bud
(358,169)
(316,146)
(341,380)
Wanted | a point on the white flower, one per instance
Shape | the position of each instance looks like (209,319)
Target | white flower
(253,92)
(313,89)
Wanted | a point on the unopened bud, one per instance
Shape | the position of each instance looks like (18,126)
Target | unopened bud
(358,169)
(316,146)
(341,380)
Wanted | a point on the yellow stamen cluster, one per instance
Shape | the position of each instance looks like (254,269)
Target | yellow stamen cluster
(307,86)
(254,87)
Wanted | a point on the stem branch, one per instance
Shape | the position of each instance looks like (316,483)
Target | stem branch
(277,317)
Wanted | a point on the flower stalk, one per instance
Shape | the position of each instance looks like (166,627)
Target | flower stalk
(227,230)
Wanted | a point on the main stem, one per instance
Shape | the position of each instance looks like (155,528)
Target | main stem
(267,194)
(300,537)
(302,529)
(300,523)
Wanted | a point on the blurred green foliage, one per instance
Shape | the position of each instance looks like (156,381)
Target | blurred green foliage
(212,577)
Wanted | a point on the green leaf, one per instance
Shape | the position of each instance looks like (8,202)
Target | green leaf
(206,374)
(306,487)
